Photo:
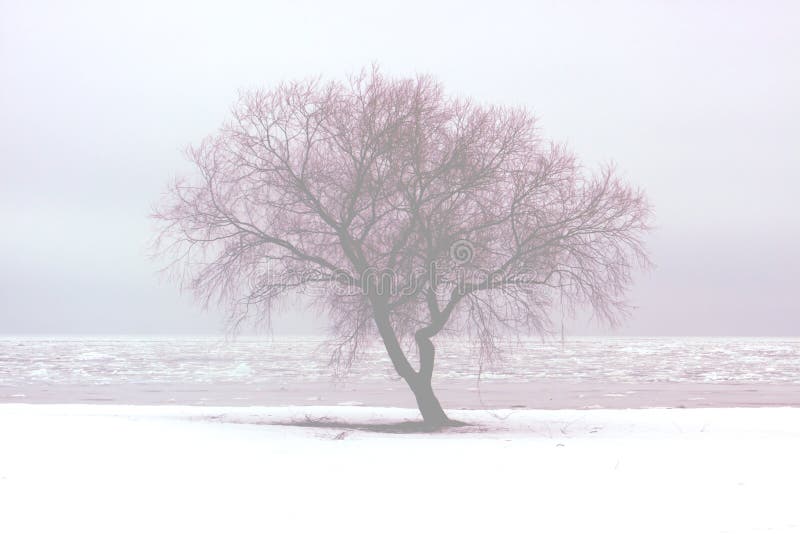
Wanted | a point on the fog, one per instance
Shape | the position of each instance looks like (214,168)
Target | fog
(697,104)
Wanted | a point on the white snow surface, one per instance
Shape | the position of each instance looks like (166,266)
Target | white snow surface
(91,468)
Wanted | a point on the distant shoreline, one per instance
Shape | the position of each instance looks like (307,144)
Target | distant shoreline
(454,394)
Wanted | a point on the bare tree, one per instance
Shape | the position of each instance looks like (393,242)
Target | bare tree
(405,213)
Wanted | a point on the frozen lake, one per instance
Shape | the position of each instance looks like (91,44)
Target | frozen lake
(580,373)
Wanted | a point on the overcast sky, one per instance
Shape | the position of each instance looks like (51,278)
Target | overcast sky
(697,102)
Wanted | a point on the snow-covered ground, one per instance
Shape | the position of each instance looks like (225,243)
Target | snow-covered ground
(90,468)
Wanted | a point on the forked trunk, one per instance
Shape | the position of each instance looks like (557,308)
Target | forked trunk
(419,381)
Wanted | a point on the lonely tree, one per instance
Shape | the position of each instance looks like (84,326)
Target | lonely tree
(403,213)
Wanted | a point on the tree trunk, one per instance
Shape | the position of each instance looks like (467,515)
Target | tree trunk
(419,381)
(429,406)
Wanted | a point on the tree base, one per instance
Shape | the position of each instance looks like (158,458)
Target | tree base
(433,426)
